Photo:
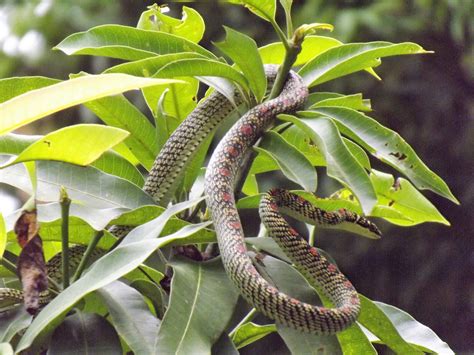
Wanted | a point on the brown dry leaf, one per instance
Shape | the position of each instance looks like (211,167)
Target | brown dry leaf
(31,266)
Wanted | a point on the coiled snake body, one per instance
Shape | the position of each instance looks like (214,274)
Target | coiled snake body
(219,187)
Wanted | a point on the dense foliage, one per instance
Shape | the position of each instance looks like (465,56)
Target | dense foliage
(121,293)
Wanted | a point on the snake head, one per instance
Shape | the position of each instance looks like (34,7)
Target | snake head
(359,224)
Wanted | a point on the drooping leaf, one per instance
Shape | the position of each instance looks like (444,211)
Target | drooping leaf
(263,8)
(85,333)
(201,293)
(372,318)
(127,43)
(131,316)
(191,26)
(249,333)
(349,58)
(274,53)
(79,144)
(13,321)
(413,331)
(6,349)
(387,146)
(42,102)
(11,87)
(243,51)
(109,162)
(341,164)
(294,165)
(86,184)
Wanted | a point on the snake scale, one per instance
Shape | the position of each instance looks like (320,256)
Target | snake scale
(220,180)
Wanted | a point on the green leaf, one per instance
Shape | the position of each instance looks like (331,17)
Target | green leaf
(3,236)
(348,101)
(244,52)
(402,197)
(350,58)
(191,26)
(11,87)
(149,66)
(85,333)
(109,162)
(39,103)
(294,165)
(414,332)
(131,317)
(387,146)
(274,53)
(13,321)
(372,318)
(117,111)
(127,43)
(250,185)
(6,349)
(201,67)
(201,304)
(120,261)
(79,144)
(341,164)
(85,184)
(263,8)
(249,333)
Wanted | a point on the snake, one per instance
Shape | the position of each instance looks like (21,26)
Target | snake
(221,178)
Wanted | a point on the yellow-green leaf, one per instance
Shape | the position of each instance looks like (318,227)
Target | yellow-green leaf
(80,144)
(39,103)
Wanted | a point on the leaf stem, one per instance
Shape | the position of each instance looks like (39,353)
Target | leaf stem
(65,203)
(87,254)
(280,34)
(248,318)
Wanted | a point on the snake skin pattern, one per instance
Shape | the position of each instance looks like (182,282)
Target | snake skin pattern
(219,187)
(221,174)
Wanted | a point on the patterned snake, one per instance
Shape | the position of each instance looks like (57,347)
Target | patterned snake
(221,176)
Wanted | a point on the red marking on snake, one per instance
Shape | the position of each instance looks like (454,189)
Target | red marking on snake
(232,151)
(294,301)
(272,289)
(354,300)
(252,270)
(313,251)
(332,268)
(246,129)
(226,196)
(300,199)
(273,206)
(224,172)
(241,249)
(263,110)
(235,225)
(348,284)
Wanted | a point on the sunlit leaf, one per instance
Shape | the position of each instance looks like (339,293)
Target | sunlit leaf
(350,58)
(109,162)
(79,144)
(128,43)
(42,102)
(11,87)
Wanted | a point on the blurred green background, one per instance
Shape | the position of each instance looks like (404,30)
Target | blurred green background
(426,270)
